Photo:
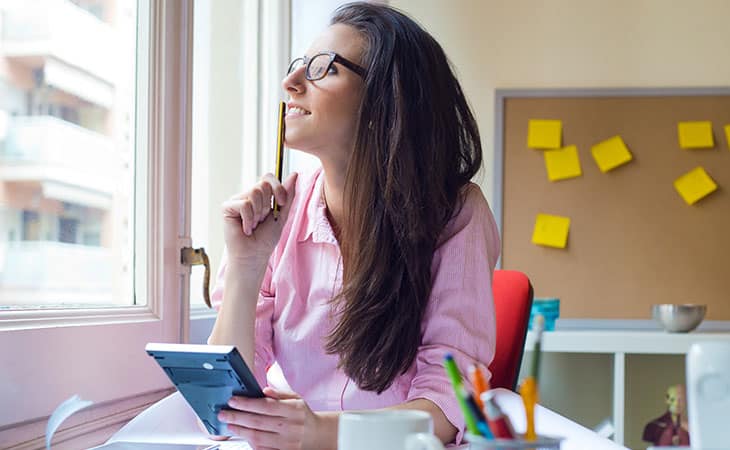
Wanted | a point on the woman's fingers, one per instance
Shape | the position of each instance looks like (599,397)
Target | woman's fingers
(280,395)
(254,206)
(278,189)
(253,421)
(257,201)
(214,437)
(247,216)
(290,191)
(265,406)
(257,438)
(281,420)
(266,193)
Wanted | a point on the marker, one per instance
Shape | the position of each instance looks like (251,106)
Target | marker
(453,372)
(528,392)
(529,389)
(480,384)
(479,417)
(498,421)
(279,153)
(539,327)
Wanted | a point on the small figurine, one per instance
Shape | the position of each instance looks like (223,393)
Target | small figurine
(671,429)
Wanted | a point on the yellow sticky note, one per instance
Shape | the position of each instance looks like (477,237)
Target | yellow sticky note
(611,153)
(551,231)
(694,185)
(562,164)
(544,133)
(727,135)
(695,134)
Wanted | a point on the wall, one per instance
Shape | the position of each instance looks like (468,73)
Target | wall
(497,44)
(575,43)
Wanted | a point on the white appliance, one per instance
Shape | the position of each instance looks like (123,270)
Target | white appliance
(708,395)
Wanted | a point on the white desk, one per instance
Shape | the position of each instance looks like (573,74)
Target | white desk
(170,424)
(620,343)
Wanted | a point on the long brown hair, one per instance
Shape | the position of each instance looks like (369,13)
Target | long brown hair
(416,146)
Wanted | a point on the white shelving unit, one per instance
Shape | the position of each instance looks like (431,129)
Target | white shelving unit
(619,344)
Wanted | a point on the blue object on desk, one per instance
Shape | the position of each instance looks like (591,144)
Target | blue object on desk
(207,376)
(550,310)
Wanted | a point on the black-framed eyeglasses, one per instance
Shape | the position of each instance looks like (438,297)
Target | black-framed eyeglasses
(318,66)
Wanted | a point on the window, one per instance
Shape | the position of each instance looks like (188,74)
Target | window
(93,164)
(90,340)
(241,53)
(68,75)
(31,226)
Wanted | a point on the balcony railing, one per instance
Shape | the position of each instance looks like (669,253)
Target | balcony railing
(60,29)
(55,270)
(52,143)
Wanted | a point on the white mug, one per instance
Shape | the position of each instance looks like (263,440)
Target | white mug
(387,430)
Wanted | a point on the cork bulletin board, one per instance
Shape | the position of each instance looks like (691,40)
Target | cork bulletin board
(633,241)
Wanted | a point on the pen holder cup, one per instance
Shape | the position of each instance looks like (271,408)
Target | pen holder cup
(542,443)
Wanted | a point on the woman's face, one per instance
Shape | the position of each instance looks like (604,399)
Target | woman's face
(322,115)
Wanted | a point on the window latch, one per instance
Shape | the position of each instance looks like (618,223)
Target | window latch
(194,257)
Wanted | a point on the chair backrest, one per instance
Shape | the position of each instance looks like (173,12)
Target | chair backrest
(512,303)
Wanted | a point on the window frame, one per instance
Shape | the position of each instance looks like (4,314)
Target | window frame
(267,49)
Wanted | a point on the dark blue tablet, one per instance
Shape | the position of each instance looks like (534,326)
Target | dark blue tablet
(207,376)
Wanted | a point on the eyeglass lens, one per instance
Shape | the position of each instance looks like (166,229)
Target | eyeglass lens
(317,66)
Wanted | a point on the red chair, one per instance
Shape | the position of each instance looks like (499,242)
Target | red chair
(512,303)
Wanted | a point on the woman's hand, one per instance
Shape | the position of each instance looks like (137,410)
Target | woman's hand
(214,437)
(250,231)
(279,421)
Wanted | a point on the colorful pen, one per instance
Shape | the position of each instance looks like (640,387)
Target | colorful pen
(539,327)
(498,421)
(480,418)
(279,153)
(528,392)
(480,384)
(529,389)
(453,372)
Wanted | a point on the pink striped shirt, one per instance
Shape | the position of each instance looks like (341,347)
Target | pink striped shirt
(305,272)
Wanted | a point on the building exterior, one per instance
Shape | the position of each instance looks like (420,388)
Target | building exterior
(66,152)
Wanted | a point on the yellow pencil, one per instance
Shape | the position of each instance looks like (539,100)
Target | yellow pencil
(279,153)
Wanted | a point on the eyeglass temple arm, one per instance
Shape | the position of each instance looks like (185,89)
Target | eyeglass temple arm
(350,65)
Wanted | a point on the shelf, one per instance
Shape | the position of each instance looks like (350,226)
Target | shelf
(618,344)
(621,341)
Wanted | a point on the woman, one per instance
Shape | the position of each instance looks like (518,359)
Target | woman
(381,261)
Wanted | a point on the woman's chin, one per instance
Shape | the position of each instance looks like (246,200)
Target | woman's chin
(297,142)
(303,149)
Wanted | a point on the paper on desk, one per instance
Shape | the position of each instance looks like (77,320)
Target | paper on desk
(549,423)
(170,421)
(62,412)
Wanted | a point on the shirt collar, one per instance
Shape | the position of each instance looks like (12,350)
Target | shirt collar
(317,225)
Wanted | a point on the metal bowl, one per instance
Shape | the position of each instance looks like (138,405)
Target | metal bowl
(678,318)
